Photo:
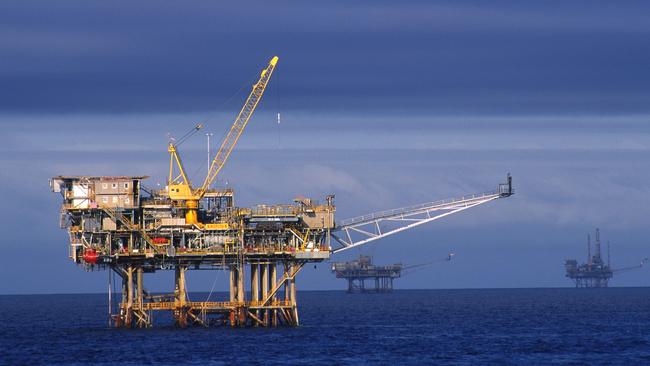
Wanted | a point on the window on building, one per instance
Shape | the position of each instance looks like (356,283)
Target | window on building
(114,199)
(126,201)
(114,185)
(104,199)
(126,185)
(105,185)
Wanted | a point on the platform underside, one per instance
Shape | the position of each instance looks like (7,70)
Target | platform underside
(207,260)
(270,299)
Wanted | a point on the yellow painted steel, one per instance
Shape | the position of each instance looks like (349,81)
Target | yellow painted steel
(218,226)
(191,216)
(305,240)
(183,191)
(238,126)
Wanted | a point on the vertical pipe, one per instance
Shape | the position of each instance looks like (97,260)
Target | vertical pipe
(129,296)
(233,294)
(255,281)
(609,258)
(255,287)
(588,249)
(177,286)
(183,287)
(265,290)
(240,283)
(129,286)
(597,255)
(124,303)
(232,284)
(286,283)
(294,297)
(144,319)
(110,300)
(274,278)
(139,287)
(181,296)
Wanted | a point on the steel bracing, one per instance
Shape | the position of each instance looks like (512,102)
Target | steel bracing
(115,223)
(353,232)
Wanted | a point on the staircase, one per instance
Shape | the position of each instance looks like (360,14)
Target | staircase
(118,216)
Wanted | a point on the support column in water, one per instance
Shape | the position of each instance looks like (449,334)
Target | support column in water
(273,276)
(255,287)
(265,291)
(180,313)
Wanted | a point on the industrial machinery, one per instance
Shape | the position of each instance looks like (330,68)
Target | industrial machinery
(116,223)
(594,273)
(358,271)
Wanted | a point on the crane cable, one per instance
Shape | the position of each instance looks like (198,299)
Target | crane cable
(214,114)
(213,284)
(418,267)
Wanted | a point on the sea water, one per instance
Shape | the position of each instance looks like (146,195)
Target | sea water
(444,327)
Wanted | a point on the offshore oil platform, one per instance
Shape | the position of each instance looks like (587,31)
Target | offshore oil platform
(594,273)
(358,271)
(117,223)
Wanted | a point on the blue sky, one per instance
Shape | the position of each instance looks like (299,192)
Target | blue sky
(384,105)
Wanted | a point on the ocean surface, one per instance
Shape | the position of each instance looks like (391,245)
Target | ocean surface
(444,327)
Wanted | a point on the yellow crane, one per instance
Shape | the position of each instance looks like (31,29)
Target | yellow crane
(179,188)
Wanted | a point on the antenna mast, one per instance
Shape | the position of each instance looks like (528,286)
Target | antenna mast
(597,255)
(589,249)
(609,256)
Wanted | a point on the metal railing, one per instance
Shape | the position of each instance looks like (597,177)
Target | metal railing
(209,305)
(274,210)
(416,208)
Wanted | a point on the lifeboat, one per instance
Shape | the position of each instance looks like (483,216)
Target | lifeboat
(90,256)
(160,240)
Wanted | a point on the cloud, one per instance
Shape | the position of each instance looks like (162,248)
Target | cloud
(383,105)
(148,133)
(560,193)
(440,58)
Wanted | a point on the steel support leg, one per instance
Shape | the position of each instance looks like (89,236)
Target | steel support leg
(255,286)
(294,304)
(265,291)
(273,276)
(181,297)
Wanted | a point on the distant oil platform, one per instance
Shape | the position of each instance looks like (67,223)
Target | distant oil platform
(595,273)
(380,278)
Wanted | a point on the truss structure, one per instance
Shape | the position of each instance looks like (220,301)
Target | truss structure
(353,232)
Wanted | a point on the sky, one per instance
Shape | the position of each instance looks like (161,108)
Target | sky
(383,104)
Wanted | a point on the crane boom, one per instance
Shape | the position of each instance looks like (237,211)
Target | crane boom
(364,229)
(237,128)
(183,192)
(625,269)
